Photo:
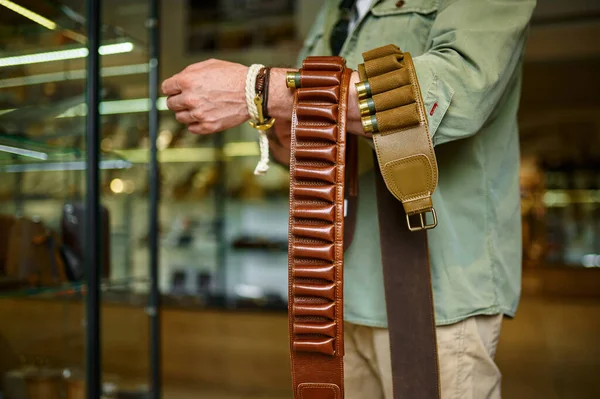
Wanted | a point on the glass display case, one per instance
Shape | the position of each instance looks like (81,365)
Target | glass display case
(47,324)
(221,234)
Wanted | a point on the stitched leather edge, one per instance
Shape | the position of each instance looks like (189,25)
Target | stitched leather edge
(291,277)
(422,112)
(406,160)
(308,385)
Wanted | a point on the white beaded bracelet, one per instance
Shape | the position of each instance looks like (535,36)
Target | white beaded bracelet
(263,164)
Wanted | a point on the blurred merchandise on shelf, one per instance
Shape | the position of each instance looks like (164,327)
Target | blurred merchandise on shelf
(43,382)
(73,227)
(233,25)
(533,213)
(33,257)
(561,214)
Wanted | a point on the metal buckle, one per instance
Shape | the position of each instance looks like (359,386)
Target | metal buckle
(423,225)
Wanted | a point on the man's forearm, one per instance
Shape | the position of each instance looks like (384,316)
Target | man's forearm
(209,97)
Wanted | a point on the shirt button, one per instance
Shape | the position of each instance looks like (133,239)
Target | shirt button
(399,3)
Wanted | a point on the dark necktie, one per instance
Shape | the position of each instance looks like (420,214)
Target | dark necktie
(340,30)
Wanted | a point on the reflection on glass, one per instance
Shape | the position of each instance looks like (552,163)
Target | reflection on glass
(42,225)
(41,158)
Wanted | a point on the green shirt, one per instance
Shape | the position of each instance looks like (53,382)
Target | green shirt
(468,56)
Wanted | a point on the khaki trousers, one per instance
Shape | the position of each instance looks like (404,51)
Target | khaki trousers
(466,353)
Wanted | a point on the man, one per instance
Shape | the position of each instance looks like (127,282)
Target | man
(468,57)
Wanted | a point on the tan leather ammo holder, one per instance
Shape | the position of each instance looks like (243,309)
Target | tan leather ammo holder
(316,227)
(392,110)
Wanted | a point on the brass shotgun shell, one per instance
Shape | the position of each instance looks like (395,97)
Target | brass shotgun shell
(292,80)
(369,124)
(366,107)
(363,107)
(363,89)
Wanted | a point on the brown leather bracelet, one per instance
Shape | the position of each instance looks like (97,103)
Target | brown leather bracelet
(259,84)
(262,88)
(316,228)
(266,93)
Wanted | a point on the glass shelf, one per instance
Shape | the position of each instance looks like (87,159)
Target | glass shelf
(19,154)
(106,163)
(69,289)
(14,148)
(120,292)
(17,120)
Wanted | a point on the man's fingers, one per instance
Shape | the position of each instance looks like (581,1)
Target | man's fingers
(171,86)
(185,117)
(176,103)
(197,128)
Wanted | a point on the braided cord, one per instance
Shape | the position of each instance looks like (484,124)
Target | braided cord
(263,142)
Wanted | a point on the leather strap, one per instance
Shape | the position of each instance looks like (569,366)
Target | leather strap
(316,228)
(407,172)
(351,201)
(409,301)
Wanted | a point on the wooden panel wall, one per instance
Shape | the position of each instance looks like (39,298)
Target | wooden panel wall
(241,351)
(549,350)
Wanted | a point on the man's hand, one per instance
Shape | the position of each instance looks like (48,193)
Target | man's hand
(208,96)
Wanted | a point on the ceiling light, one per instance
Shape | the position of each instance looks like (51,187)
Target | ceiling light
(117,186)
(60,55)
(117,48)
(28,14)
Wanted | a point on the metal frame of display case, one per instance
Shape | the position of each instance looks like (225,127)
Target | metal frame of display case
(93,250)
(153,124)
(92,213)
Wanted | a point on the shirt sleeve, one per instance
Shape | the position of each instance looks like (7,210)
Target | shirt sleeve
(314,33)
(474,47)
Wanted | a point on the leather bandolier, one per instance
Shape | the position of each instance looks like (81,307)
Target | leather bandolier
(316,228)
(393,109)
(323,179)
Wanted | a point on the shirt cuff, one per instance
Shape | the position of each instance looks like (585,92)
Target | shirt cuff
(437,94)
